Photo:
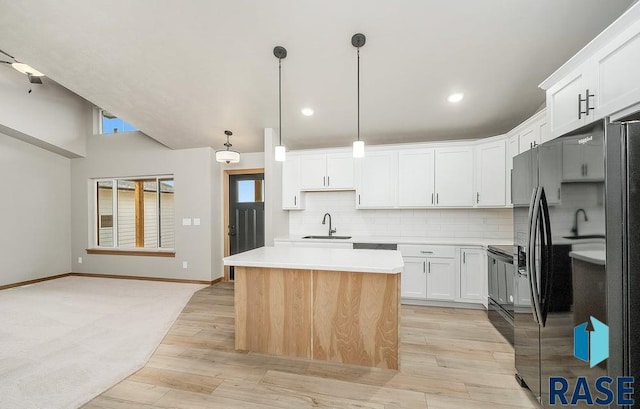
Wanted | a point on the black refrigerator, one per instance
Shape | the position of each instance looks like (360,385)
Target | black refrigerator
(576,209)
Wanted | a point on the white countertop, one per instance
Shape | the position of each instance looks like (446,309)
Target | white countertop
(403,240)
(598,257)
(367,261)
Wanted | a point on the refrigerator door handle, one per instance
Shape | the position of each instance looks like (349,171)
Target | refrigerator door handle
(547,259)
(534,212)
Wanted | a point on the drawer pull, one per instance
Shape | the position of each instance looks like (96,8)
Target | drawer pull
(426,252)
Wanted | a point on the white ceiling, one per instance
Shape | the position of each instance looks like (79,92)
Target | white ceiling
(184,71)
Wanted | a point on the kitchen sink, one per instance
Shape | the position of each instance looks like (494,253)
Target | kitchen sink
(586,236)
(328,237)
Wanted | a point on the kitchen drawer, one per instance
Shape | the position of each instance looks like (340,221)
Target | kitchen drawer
(413,250)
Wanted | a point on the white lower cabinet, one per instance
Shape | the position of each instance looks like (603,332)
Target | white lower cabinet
(414,278)
(429,272)
(473,275)
(441,279)
(445,273)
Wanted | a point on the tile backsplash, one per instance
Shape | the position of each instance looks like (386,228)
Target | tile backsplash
(428,223)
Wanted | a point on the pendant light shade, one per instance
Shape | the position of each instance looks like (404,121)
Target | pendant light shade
(281,150)
(358,149)
(358,40)
(227,155)
(281,153)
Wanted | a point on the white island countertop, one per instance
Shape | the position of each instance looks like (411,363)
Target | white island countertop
(365,261)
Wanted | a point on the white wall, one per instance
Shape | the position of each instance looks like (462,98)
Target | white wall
(34,212)
(276,219)
(50,117)
(426,223)
(134,154)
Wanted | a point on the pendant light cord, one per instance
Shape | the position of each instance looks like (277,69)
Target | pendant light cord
(358,93)
(280,99)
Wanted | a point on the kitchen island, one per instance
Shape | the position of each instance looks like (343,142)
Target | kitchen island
(325,304)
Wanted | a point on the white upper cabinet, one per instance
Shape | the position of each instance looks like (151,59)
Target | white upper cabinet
(617,66)
(513,150)
(376,180)
(569,106)
(454,177)
(416,179)
(600,80)
(313,172)
(544,131)
(291,184)
(340,171)
(529,137)
(326,172)
(491,174)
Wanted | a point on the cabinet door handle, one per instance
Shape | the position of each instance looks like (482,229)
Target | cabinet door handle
(358,199)
(424,266)
(534,144)
(295,200)
(328,180)
(586,169)
(579,106)
(324,180)
(558,193)
(477,197)
(588,106)
(464,257)
(437,198)
(429,267)
(431,198)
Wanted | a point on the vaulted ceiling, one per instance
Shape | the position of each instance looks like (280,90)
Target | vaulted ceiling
(184,71)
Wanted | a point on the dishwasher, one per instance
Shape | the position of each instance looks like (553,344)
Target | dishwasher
(375,246)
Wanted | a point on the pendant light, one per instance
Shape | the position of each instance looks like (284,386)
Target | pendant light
(280,151)
(358,40)
(227,155)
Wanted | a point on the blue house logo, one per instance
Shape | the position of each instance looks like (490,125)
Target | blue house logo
(591,345)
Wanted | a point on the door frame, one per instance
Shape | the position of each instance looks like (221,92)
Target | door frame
(225,188)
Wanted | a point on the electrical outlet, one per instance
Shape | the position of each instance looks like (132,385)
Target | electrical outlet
(184,264)
(79,260)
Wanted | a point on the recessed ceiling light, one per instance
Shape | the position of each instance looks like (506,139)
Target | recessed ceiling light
(307,111)
(456,97)
(26,69)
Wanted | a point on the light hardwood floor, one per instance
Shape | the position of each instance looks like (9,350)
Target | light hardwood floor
(450,359)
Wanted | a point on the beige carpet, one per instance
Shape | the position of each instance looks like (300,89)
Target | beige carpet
(62,342)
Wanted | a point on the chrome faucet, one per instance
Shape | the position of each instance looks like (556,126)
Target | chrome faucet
(574,230)
(324,219)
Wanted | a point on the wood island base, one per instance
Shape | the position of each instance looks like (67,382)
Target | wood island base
(341,316)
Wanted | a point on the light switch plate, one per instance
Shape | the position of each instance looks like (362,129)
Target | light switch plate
(186,222)
(185,264)
(196,222)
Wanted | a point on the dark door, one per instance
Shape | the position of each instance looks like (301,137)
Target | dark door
(246,213)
